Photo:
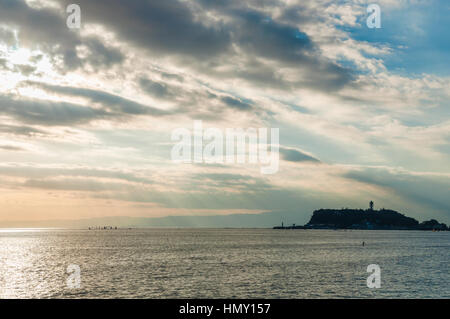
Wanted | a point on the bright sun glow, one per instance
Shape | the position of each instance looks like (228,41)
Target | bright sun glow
(19,56)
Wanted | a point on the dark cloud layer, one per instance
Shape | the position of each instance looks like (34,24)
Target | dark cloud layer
(187,30)
(20,130)
(46,29)
(205,34)
(115,105)
(51,113)
(166,27)
(48,113)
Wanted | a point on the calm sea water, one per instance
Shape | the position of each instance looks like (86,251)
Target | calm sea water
(223,263)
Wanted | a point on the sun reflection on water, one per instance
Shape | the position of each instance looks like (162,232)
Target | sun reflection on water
(23,268)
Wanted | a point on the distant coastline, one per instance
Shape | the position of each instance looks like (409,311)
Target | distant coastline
(383,219)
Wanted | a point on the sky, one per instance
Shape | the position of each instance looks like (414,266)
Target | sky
(87,115)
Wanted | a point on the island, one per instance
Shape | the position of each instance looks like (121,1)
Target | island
(383,219)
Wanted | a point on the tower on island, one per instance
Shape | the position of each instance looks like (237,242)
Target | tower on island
(371,205)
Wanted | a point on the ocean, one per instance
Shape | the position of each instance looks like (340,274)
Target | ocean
(222,263)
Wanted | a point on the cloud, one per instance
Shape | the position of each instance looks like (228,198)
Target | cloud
(76,184)
(277,53)
(154,88)
(45,28)
(159,26)
(236,103)
(41,173)
(426,189)
(113,104)
(258,34)
(33,111)
(98,104)
(229,182)
(294,155)
(11,148)
(210,37)
(7,36)
(21,130)
(170,76)
(24,69)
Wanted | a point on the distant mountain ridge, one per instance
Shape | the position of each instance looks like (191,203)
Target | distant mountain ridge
(258,220)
